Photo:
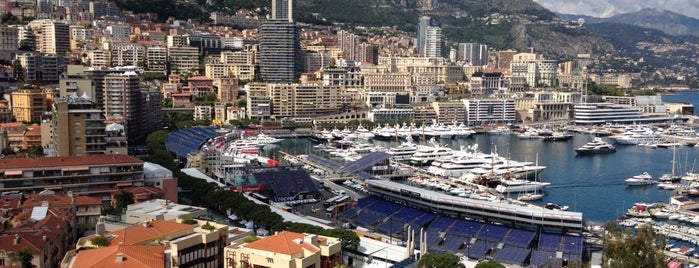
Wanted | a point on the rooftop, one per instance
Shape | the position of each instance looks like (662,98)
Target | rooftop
(142,233)
(121,256)
(61,161)
(285,242)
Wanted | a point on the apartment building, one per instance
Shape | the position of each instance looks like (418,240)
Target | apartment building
(78,127)
(285,250)
(95,175)
(490,111)
(305,100)
(29,105)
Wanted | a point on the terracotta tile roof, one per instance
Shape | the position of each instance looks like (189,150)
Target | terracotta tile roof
(200,78)
(284,242)
(54,200)
(133,256)
(33,241)
(11,125)
(84,200)
(137,234)
(59,161)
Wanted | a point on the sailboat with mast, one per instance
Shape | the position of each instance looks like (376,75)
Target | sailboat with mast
(665,181)
(535,195)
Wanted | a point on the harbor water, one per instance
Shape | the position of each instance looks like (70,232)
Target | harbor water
(592,184)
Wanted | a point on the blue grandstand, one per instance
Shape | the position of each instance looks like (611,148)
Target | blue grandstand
(476,239)
(286,185)
(187,140)
(366,162)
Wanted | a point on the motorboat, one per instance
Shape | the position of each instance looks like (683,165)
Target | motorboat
(596,146)
(520,186)
(530,197)
(641,179)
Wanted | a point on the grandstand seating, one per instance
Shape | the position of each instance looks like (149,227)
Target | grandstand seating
(367,219)
(390,227)
(549,242)
(512,255)
(492,232)
(540,258)
(442,223)
(420,221)
(479,249)
(572,244)
(365,162)
(466,228)
(452,243)
(285,183)
(433,237)
(519,237)
(187,140)
(325,162)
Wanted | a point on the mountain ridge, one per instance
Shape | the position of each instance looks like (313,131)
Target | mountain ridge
(669,22)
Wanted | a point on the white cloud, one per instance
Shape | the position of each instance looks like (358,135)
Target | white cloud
(607,8)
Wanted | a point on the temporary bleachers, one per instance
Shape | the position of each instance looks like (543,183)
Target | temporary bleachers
(184,141)
(479,249)
(493,232)
(420,221)
(367,219)
(549,242)
(390,227)
(452,243)
(365,162)
(441,223)
(384,207)
(466,228)
(572,244)
(540,258)
(287,183)
(323,161)
(408,214)
(512,255)
(520,238)
(433,237)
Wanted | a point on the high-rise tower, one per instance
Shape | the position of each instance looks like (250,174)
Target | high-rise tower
(283,10)
(423,23)
(280,46)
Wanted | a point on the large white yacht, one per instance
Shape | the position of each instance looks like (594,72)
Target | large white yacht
(638,135)
(641,179)
(425,155)
(520,186)
(405,151)
(460,162)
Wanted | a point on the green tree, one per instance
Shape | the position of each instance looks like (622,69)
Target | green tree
(627,249)
(123,199)
(489,264)
(24,257)
(438,260)
(99,241)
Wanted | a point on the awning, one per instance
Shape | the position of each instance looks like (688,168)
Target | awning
(124,184)
(78,168)
(13,172)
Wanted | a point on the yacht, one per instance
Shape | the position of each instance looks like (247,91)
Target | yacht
(425,155)
(363,133)
(404,151)
(530,197)
(520,186)
(638,135)
(641,179)
(500,131)
(460,162)
(596,146)
(263,139)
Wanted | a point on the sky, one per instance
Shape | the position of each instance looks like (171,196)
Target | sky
(608,8)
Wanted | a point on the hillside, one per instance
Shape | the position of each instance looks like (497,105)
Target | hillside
(655,47)
(501,24)
(664,20)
